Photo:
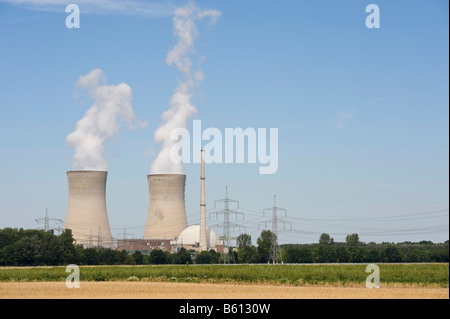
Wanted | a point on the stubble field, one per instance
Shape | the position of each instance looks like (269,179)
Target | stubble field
(167,290)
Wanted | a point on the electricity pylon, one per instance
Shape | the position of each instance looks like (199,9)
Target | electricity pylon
(227,226)
(125,238)
(47,220)
(99,237)
(275,253)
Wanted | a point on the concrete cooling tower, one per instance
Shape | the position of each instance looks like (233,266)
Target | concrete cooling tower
(86,212)
(166,209)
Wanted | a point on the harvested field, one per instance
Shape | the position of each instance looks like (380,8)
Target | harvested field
(166,290)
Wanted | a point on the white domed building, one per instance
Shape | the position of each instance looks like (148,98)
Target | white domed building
(189,238)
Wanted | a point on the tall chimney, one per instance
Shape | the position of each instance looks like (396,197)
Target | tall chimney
(86,211)
(203,241)
(166,208)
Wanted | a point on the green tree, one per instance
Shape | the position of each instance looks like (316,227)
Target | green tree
(393,254)
(325,251)
(244,240)
(107,256)
(122,257)
(298,254)
(31,250)
(342,255)
(354,248)
(10,255)
(372,255)
(157,257)
(440,256)
(305,255)
(146,259)
(91,256)
(264,245)
(138,258)
(68,252)
(169,257)
(58,250)
(80,255)
(325,239)
(246,252)
(8,236)
(182,257)
(215,257)
(203,257)
(52,251)
(129,260)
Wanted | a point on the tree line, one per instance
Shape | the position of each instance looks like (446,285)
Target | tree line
(355,251)
(351,251)
(28,247)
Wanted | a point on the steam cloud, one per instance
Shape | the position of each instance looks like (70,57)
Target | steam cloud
(181,108)
(112,104)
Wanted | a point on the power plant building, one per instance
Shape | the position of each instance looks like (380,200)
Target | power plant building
(166,227)
(166,216)
(145,246)
(190,239)
(86,211)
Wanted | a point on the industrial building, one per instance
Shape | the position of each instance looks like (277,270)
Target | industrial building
(86,211)
(166,216)
(145,246)
(166,227)
(190,239)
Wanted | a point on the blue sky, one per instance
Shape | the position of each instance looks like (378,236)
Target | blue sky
(362,113)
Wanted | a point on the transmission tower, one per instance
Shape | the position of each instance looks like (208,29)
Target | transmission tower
(46,220)
(227,226)
(90,240)
(125,238)
(99,237)
(275,253)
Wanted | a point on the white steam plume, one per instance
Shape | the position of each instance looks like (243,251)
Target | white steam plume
(112,104)
(181,108)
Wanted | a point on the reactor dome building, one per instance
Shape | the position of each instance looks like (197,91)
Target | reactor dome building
(190,238)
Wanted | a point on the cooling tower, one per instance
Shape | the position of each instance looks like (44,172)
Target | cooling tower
(86,212)
(166,210)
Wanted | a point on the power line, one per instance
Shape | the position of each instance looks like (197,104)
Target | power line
(275,253)
(46,220)
(383,218)
(227,225)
